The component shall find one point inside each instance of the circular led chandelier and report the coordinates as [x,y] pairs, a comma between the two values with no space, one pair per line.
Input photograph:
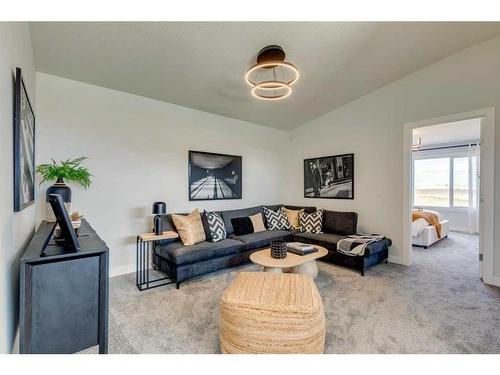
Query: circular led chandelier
[271,77]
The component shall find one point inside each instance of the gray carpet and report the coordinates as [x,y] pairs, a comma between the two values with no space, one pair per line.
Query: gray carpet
[438,305]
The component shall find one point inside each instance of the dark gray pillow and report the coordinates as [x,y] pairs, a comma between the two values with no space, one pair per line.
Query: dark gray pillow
[342,223]
[231,214]
[242,226]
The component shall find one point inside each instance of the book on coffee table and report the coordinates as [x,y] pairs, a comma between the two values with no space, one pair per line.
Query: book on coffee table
[300,248]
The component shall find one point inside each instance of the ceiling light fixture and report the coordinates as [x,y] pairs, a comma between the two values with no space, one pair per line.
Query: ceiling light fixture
[279,90]
[271,77]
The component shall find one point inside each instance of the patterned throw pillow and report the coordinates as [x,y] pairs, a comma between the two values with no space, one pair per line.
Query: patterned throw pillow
[216,226]
[311,223]
[276,220]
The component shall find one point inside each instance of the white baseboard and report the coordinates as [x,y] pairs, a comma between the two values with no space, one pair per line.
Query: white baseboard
[396,260]
[117,271]
[461,230]
[496,281]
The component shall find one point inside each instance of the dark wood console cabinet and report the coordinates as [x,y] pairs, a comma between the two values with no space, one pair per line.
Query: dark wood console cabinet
[64,295]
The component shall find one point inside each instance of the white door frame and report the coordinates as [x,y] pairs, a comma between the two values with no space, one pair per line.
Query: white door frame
[487,183]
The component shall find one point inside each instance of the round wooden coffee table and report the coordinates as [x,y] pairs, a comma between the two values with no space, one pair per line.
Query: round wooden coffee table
[293,263]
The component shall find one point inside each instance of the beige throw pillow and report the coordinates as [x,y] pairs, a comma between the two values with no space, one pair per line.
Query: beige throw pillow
[189,227]
[293,217]
[257,222]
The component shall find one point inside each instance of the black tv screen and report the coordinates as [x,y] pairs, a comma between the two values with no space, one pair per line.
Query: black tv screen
[68,234]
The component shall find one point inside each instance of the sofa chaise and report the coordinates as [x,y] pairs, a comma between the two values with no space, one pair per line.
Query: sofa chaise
[181,262]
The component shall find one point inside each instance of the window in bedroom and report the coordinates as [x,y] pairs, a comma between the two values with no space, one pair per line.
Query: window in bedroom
[460,182]
[432,182]
[445,181]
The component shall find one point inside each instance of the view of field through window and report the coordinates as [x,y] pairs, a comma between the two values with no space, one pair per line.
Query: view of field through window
[461,182]
[432,182]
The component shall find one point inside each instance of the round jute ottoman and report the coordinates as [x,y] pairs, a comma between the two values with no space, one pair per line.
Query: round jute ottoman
[263,312]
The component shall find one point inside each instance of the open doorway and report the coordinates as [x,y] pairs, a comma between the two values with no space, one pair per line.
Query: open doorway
[445,193]
[448,196]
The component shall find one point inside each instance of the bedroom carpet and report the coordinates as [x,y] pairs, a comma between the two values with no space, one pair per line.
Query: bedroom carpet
[438,305]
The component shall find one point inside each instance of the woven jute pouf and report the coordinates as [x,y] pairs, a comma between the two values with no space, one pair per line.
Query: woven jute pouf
[265,312]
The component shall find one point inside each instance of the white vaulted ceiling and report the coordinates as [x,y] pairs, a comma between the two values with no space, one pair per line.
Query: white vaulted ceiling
[202,65]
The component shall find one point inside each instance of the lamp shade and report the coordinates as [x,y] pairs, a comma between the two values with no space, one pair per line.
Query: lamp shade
[159,208]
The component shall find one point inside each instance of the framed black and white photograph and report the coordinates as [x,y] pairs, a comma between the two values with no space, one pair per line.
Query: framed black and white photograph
[214,176]
[329,177]
[24,146]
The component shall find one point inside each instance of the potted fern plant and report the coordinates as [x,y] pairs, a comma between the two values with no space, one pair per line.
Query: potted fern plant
[69,170]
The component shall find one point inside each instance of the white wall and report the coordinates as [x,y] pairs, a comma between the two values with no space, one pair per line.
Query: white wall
[15,228]
[459,219]
[372,128]
[139,154]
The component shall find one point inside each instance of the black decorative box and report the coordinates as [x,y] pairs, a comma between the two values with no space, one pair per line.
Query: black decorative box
[278,249]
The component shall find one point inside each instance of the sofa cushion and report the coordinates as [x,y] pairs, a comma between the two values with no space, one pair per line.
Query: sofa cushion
[293,217]
[307,209]
[343,223]
[167,224]
[230,214]
[327,240]
[189,227]
[311,223]
[257,223]
[179,254]
[276,219]
[242,225]
[214,226]
[263,239]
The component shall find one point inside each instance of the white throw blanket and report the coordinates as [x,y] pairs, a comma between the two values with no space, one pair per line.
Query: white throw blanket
[356,244]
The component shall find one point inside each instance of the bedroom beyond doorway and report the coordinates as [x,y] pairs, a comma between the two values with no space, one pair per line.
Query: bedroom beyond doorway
[445,184]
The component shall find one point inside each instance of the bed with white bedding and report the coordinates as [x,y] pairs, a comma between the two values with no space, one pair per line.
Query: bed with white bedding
[424,234]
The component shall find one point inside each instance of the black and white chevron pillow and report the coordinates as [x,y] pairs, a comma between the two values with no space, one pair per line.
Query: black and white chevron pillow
[216,226]
[276,220]
[311,223]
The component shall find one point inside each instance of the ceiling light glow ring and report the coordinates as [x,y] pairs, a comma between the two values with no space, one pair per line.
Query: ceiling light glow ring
[271,85]
[269,65]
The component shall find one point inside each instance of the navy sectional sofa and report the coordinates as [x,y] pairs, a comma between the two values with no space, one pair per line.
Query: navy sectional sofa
[181,262]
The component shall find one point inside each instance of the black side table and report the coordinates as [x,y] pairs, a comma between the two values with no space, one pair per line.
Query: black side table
[144,245]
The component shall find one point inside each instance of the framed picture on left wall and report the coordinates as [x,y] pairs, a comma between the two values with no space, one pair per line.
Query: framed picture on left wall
[24,146]
[214,176]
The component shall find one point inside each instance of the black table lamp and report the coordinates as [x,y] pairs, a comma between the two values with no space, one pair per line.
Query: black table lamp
[159,208]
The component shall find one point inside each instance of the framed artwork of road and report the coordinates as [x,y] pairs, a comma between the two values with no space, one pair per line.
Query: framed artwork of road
[214,176]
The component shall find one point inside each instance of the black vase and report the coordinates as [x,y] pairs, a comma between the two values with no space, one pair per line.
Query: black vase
[64,191]
[278,249]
